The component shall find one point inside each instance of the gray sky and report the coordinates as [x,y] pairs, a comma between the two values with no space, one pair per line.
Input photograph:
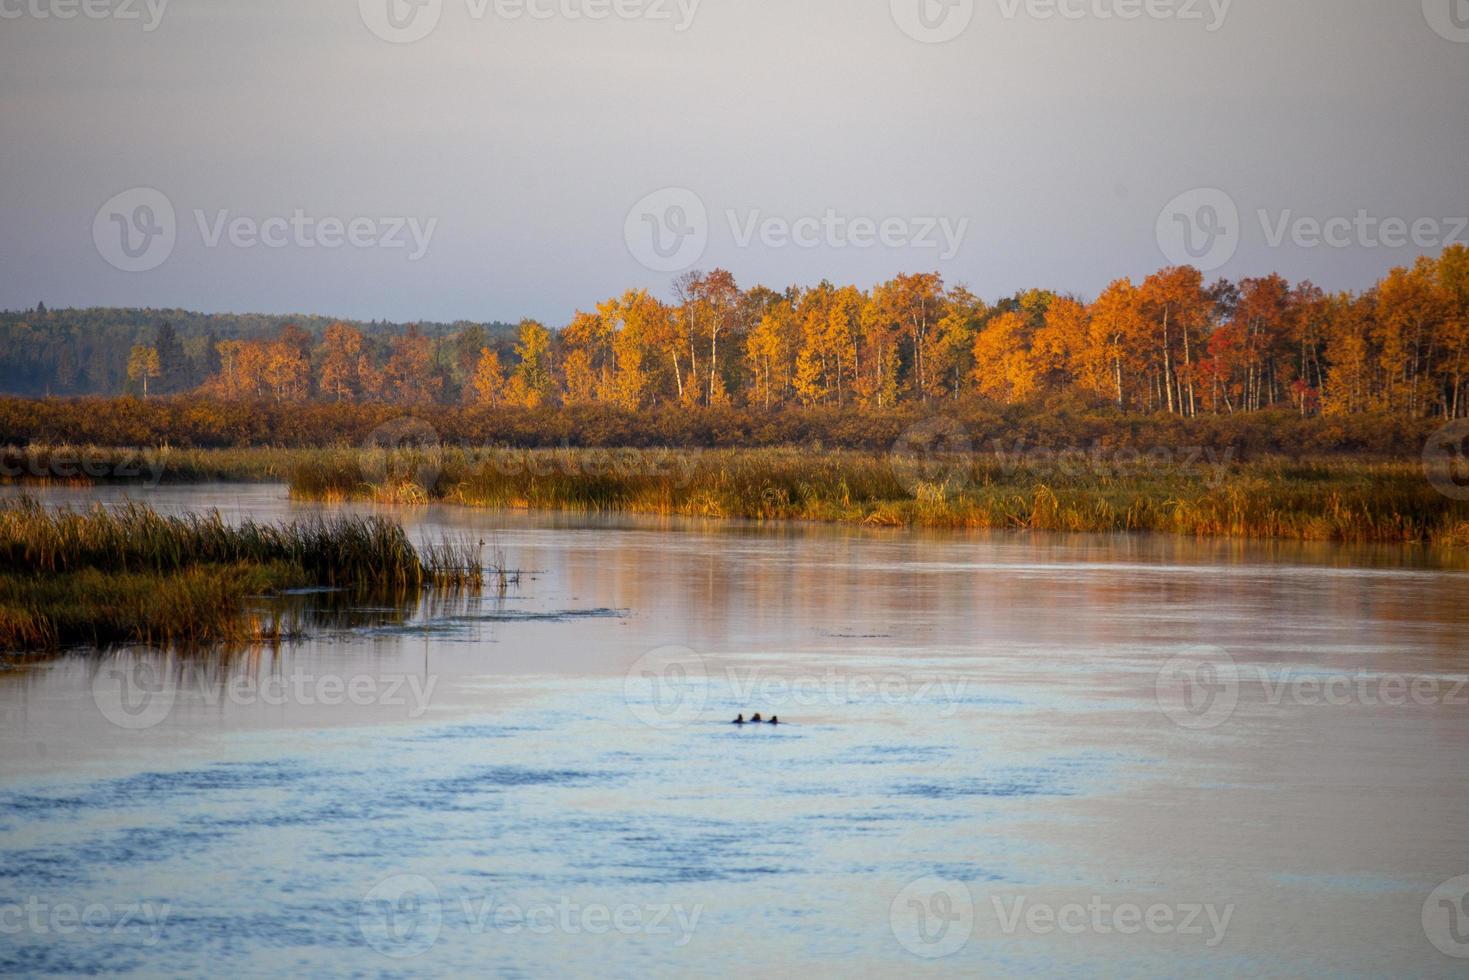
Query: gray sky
[524,143]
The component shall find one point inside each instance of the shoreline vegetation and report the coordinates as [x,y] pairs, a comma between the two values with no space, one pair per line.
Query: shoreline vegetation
[1198,492]
[106,577]
[1207,496]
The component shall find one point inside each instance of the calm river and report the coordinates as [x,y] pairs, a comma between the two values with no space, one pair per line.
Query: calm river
[1001,755]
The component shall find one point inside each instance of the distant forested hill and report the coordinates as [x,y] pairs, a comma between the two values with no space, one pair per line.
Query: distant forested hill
[85,351]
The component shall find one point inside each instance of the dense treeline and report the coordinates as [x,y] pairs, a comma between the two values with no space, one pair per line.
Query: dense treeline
[1172,344]
[1062,422]
[88,351]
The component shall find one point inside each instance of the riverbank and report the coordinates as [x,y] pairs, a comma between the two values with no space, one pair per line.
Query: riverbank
[1199,493]
[106,577]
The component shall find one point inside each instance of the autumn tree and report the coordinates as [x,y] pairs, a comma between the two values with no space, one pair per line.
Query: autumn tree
[1411,308]
[907,307]
[409,377]
[1350,375]
[1117,329]
[1004,367]
[531,384]
[341,350]
[713,302]
[1453,283]
[1177,310]
[143,364]
[286,369]
[588,359]
[1063,354]
[487,385]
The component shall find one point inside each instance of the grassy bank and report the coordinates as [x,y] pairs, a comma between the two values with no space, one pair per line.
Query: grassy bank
[1203,492]
[104,577]
[1329,500]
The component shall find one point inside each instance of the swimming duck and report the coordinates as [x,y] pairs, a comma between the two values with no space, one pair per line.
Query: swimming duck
[740,720]
[755,719]
[774,720]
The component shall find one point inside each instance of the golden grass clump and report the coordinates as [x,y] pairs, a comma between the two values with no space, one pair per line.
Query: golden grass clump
[131,575]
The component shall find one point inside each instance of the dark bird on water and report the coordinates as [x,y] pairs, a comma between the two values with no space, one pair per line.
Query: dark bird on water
[739,720]
[756,719]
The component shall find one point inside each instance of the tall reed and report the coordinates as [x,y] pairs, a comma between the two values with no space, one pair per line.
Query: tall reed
[130,574]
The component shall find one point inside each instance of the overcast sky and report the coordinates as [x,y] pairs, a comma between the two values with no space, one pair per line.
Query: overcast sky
[517,147]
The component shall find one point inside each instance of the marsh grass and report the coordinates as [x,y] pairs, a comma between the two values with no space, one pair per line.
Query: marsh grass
[104,576]
[1321,499]
[1327,500]
[191,609]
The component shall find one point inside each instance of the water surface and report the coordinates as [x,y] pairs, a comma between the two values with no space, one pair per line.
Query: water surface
[545,781]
